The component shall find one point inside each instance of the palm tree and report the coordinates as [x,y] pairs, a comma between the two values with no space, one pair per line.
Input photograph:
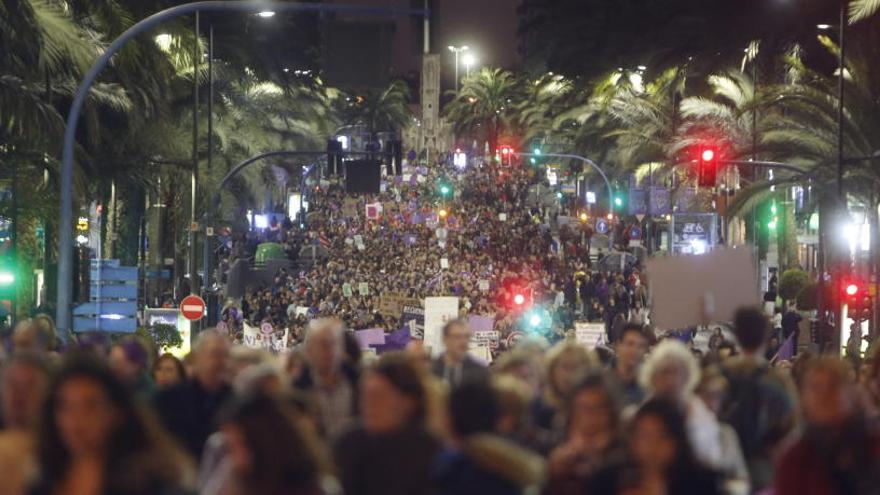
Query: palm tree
[484,108]
[385,110]
[862,9]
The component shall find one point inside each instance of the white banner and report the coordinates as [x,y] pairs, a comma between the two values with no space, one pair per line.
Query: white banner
[438,310]
[255,338]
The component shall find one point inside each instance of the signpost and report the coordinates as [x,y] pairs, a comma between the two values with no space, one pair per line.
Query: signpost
[192,307]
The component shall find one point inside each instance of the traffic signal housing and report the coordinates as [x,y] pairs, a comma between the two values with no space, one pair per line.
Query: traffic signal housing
[857,297]
[506,152]
[708,159]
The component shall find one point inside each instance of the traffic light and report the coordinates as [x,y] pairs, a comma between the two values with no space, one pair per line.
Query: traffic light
[519,299]
[506,155]
[7,278]
[442,213]
[584,217]
[707,159]
[445,189]
[857,299]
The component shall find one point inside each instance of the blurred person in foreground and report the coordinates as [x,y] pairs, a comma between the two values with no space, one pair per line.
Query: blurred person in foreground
[391,452]
[269,452]
[455,365]
[592,440]
[660,459]
[567,364]
[130,362]
[94,439]
[712,390]
[481,461]
[24,381]
[328,378]
[37,335]
[168,371]
[671,373]
[189,410]
[760,401]
[838,452]
[631,348]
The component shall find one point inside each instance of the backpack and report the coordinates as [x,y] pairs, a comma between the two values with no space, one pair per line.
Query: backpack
[746,409]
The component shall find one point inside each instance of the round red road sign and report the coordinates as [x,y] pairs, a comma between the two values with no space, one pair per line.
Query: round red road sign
[192,307]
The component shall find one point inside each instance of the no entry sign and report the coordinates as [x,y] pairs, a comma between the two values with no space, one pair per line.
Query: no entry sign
[192,307]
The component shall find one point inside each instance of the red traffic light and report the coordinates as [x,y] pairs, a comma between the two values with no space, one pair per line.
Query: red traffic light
[505,150]
[852,289]
[708,155]
[519,299]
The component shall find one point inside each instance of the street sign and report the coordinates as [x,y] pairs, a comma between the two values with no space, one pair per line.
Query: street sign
[112,305]
[635,232]
[640,217]
[602,226]
[192,307]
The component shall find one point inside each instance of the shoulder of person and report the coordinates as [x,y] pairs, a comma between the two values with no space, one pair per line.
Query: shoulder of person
[505,459]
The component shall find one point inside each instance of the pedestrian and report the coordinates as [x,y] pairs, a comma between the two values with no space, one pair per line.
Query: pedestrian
[328,378]
[630,353]
[24,381]
[660,458]
[456,365]
[168,371]
[95,439]
[838,452]
[391,452]
[592,437]
[567,363]
[130,361]
[189,410]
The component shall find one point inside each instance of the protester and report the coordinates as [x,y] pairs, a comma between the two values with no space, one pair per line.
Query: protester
[392,452]
[455,365]
[567,364]
[331,381]
[23,384]
[631,350]
[712,390]
[130,362]
[168,371]
[482,461]
[660,458]
[268,451]
[592,437]
[759,403]
[189,410]
[95,440]
[838,452]
[36,335]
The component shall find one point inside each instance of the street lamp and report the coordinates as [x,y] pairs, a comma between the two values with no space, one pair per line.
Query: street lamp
[265,14]
[468,59]
[457,50]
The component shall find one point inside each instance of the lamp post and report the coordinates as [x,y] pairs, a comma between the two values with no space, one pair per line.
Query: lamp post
[468,60]
[457,50]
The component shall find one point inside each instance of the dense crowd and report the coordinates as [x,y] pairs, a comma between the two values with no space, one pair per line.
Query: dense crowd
[489,244]
[106,417]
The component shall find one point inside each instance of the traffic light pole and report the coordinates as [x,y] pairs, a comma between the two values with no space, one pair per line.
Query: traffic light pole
[65,230]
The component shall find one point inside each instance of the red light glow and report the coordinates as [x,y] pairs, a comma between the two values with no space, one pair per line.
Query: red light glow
[708,155]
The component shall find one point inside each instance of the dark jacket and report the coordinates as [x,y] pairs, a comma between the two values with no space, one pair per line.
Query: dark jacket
[620,478]
[189,412]
[306,383]
[488,464]
[393,464]
[471,370]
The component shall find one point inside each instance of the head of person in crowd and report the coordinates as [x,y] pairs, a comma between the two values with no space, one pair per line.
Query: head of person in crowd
[522,364]
[593,411]
[514,397]
[211,360]
[242,358]
[829,398]
[670,371]
[456,338]
[168,371]
[659,440]
[419,356]
[474,408]
[712,388]
[37,334]
[324,344]
[294,364]
[262,377]
[352,347]
[567,363]
[24,380]
[751,327]
[90,415]
[725,350]
[130,360]
[393,395]
[631,347]
[269,449]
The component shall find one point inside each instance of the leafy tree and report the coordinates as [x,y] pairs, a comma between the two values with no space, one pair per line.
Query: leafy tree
[792,282]
[484,108]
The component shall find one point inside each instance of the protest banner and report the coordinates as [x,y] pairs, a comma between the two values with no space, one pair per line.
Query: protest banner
[392,303]
[483,285]
[413,316]
[589,334]
[481,323]
[486,338]
[444,263]
[438,311]
[260,338]
[370,336]
[364,289]
[346,289]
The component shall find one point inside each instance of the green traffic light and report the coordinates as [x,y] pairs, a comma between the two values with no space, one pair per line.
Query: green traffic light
[536,151]
[618,201]
[558,195]
[773,208]
[771,224]
[7,278]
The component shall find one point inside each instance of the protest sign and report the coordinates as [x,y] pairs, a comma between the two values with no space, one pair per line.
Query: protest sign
[392,303]
[481,323]
[444,263]
[488,339]
[589,334]
[258,338]
[364,289]
[438,311]
[482,353]
[346,289]
[370,336]
[483,285]
[502,217]
[413,316]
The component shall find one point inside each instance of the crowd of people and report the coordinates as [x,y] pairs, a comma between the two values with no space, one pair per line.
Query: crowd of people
[113,417]
[484,240]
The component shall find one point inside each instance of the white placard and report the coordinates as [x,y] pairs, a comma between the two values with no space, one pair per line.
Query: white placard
[444,263]
[589,334]
[502,217]
[438,310]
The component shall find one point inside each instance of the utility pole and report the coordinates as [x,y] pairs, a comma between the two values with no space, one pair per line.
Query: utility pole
[194,175]
[209,213]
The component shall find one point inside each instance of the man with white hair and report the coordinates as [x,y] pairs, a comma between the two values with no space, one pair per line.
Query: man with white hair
[189,409]
[328,377]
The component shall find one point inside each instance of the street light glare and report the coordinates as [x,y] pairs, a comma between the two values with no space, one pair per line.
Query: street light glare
[823,26]
[266,14]
[468,59]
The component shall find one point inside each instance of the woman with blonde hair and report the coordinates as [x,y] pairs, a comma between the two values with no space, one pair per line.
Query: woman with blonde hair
[567,363]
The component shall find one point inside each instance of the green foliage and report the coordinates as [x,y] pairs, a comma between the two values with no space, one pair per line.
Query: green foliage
[792,282]
[162,336]
[808,298]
